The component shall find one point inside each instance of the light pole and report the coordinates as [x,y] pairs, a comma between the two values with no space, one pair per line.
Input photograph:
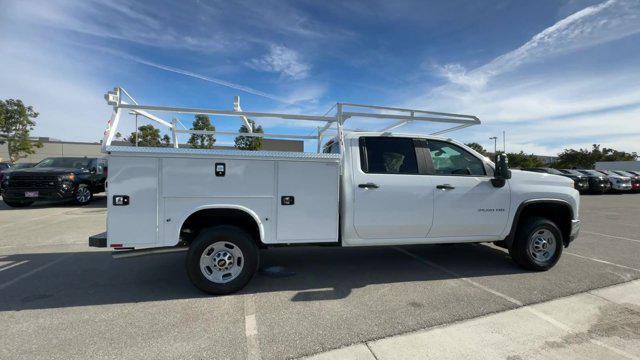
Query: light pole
[136,133]
[495,144]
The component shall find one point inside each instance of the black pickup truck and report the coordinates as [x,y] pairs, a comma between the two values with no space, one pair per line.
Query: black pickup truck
[58,179]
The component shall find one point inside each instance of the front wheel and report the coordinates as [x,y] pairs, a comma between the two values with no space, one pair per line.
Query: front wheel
[83,195]
[538,244]
[222,259]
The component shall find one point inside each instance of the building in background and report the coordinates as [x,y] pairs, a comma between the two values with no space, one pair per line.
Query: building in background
[57,148]
[618,165]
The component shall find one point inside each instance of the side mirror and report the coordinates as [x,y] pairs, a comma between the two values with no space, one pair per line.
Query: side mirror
[502,172]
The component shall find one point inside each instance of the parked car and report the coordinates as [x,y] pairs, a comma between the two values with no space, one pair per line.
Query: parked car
[580,181]
[635,179]
[59,178]
[618,182]
[598,182]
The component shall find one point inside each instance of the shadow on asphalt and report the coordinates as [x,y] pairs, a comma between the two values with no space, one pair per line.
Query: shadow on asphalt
[99,201]
[94,278]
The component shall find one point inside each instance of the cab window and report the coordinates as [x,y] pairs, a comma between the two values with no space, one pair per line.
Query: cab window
[388,155]
[451,159]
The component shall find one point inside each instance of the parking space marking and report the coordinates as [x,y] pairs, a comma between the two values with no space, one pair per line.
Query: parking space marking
[602,261]
[611,236]
[13,265]
[251,328]
[40,268]
[545,317]
[459,277]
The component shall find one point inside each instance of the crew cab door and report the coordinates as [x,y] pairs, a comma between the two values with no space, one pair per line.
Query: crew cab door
[466,203]
[393,196]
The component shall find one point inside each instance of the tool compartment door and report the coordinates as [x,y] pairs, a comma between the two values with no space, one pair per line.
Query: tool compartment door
[136,223]
[307,201]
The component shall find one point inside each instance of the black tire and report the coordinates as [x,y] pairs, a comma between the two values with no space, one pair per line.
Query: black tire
[521,250]
[17,203]
[233,236]
[83,195]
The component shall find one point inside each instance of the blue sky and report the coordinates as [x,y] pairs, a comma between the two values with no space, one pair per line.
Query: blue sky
[552,74]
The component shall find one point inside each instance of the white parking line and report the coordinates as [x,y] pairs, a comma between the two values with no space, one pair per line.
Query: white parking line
[602,261]
[611,236]
[547,318]
[40,268]
[458,276]
[13,265]
[251,328]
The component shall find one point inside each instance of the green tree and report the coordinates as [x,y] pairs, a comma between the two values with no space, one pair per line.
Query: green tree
[587,158]
[166,140]
[198,141]
[16,121]
[522,160]
[148,136]
[477,147]
[249,142]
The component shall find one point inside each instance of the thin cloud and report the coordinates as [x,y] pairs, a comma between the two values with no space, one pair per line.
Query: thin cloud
[284,61]
[593,25]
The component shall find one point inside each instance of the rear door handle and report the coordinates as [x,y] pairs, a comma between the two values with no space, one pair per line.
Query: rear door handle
[445,187]
[368,185]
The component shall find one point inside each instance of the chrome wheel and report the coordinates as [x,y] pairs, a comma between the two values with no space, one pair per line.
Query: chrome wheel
[542,246]
[221,262]
[83,194]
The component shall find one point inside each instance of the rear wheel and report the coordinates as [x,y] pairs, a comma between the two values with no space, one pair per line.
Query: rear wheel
[17,203]
[538,244]
[221,260]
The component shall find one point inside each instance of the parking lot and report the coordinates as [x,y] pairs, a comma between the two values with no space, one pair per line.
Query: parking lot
[62,299]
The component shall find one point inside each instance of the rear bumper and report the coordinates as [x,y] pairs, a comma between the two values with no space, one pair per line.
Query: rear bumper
[98,240]
[575,230]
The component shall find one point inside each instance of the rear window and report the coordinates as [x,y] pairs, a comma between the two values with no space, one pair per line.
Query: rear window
[388,155]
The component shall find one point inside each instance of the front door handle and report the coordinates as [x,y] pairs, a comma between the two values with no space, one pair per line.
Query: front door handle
[445,187]
[368,185]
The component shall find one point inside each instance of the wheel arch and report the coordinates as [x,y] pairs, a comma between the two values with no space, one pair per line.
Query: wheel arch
[557,210]
[221,214]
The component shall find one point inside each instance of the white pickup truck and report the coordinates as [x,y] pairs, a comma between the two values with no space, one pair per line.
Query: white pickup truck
[364,188]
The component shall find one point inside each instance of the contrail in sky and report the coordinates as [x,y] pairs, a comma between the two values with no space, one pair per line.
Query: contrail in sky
[197,76]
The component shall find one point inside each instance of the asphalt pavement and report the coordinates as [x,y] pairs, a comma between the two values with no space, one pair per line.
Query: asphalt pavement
[61,299]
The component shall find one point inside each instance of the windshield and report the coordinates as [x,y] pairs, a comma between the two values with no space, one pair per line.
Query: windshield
[572,172]
[608,172]
[554,171]
[76,163]
[591,172]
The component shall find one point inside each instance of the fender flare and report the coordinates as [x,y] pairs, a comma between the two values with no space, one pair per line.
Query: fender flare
[516,218]
[245,209]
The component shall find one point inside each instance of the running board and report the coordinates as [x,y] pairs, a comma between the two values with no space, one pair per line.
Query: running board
[121,254]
